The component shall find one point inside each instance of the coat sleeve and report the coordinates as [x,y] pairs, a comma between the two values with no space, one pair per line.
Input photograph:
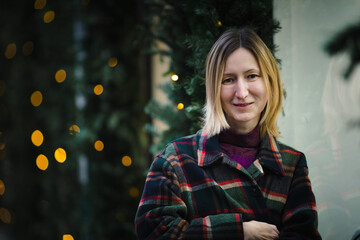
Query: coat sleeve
[299,219]
[163,214]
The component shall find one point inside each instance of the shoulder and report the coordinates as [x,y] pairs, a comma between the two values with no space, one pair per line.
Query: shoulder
[290,154]
[177,149]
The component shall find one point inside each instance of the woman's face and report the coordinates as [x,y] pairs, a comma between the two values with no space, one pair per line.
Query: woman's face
[243,92]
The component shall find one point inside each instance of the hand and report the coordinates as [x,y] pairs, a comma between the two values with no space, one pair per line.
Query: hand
[255,230]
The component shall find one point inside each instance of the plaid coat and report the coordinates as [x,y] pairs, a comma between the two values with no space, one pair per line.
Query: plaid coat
[194,190]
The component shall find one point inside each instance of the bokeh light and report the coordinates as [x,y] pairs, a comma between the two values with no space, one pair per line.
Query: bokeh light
[180,106]
[5,215]
[2,187]
[126,161]
[28,48]
[74,129]
[49,16]
[98,89]
[219,23]
[42,162]
[113,62]
[99,145]
[39,4]
[36,98]
[174,77]
[134,192]
[60,75]
[60,155]
[37,138]
[68,237]
[10,51]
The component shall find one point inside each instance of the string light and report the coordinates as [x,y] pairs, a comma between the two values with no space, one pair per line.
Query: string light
[60,155]
[98,89]
[113,62]
[5,215]
[99,145]
[10,51]
[2,188]
[74,129]
[134,192]
[28,48]
[126,161]
[67,237]
[174,77]
[180,106]
[42,162]
[39,4]
[219,23]
[49,16]
[36,98]
[60,75]
[37,138]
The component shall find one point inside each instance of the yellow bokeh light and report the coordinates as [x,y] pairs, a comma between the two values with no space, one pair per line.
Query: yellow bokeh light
[174,77]
[39,4]
[49,16]
[180,106]
[2,187]
[10,51]
[134,192]
[113,62]
[98,89]
[126,161]
[74,129]
[60,155]
[36,98]
[28,48]
[67,237]
[5,215]
[219,23]
[42,162]
[37,138]
[99,145]
[60,75]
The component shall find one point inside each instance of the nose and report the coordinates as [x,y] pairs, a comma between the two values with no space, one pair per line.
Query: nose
[241,89]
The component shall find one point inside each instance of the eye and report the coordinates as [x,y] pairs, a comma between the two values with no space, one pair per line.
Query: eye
[252,76]
[227,81]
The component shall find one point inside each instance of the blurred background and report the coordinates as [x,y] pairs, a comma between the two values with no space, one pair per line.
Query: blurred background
[91,90]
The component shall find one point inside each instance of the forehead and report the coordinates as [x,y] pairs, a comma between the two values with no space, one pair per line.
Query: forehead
[241,59]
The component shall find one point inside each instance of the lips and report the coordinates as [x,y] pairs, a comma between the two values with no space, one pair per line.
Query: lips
[242,104]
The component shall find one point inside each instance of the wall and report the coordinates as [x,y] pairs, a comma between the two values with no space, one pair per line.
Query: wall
[319,106]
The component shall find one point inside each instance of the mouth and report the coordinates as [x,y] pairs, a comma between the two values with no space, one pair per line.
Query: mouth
[242,104]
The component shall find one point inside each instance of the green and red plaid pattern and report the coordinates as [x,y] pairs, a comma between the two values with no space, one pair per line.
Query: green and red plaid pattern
[195,191]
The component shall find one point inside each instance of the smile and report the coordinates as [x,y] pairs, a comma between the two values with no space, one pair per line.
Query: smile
[242,105]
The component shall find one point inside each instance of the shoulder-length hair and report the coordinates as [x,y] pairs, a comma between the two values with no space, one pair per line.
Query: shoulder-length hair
[231,40]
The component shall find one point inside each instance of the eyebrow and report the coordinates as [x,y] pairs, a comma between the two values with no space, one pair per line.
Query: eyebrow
[247,71]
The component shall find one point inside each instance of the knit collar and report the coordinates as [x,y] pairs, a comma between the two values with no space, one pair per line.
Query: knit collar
[248,140]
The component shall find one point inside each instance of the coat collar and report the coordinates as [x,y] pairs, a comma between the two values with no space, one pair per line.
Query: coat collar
[209,151]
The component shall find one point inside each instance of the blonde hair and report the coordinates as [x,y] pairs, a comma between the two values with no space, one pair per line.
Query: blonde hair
[231,40]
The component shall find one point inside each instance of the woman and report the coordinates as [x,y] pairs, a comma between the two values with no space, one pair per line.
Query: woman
[232,179]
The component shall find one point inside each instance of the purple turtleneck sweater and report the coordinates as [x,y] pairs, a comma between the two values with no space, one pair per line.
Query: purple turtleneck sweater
[242,148]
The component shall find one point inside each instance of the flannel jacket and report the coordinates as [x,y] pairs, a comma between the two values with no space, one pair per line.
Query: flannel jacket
[194,190]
